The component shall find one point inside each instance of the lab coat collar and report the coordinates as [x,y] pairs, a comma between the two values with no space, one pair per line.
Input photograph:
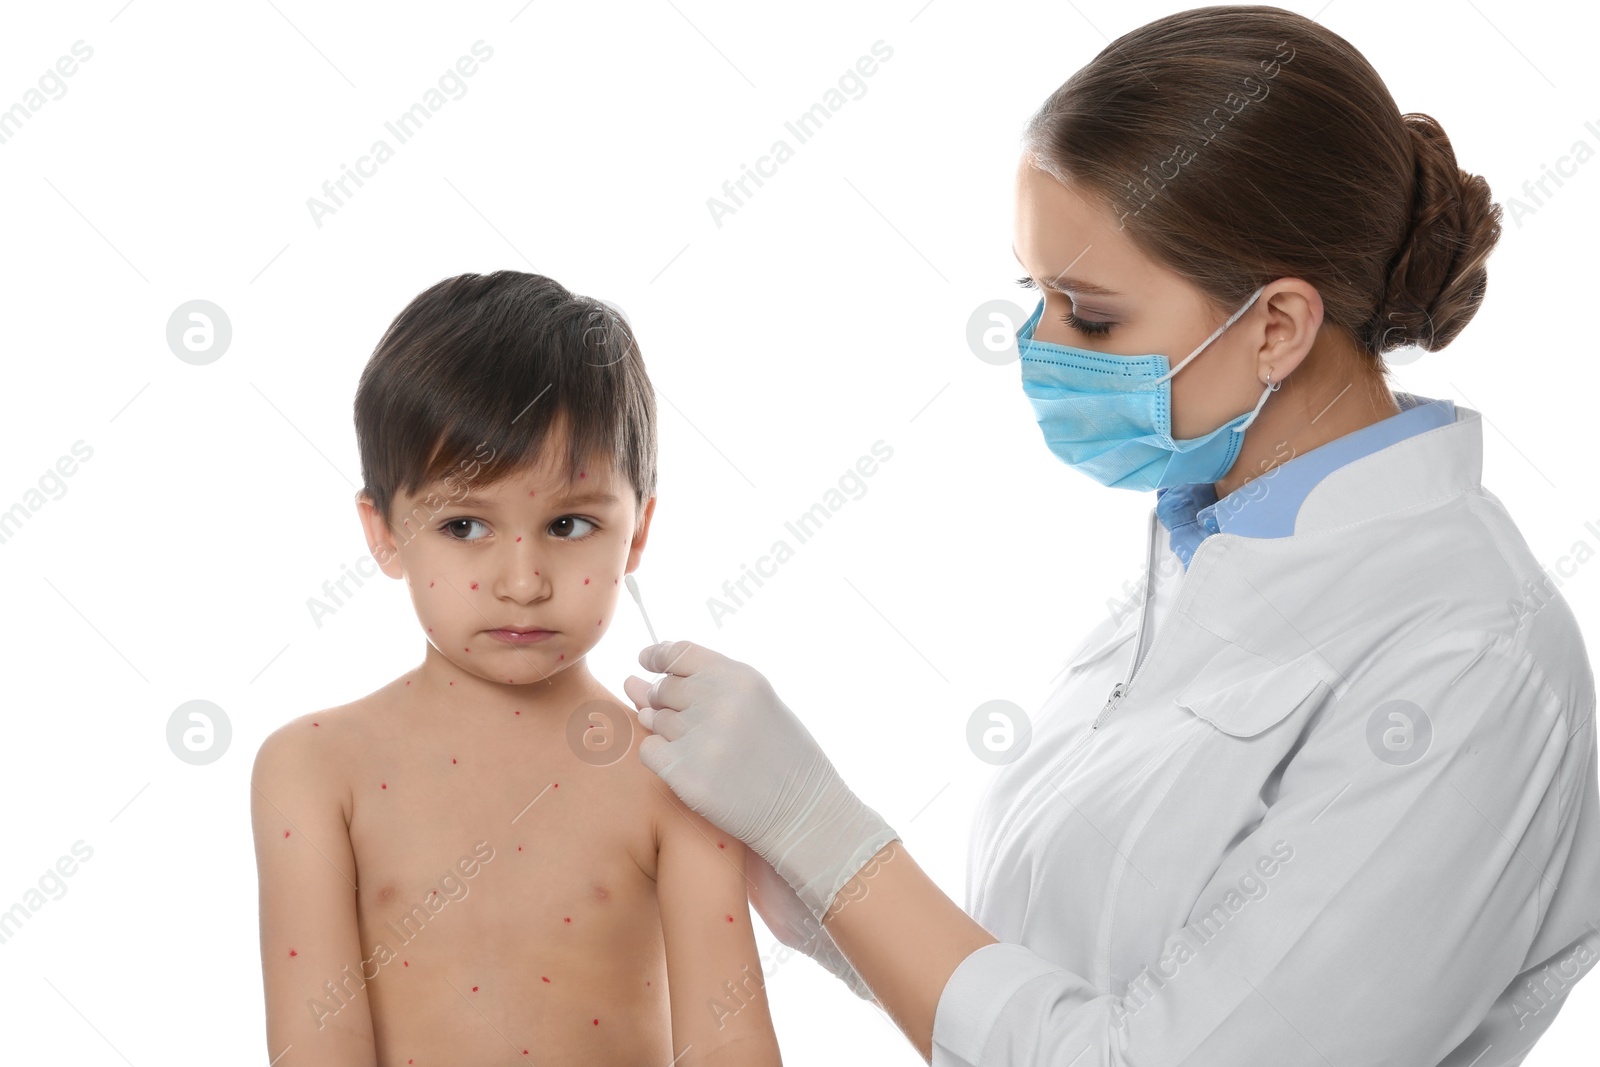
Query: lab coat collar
[1292,598]
[1442,462]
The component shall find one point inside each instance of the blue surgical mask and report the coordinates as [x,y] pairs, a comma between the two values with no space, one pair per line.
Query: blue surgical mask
[1111,416]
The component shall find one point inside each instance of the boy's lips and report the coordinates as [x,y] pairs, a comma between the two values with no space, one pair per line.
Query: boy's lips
[521,635]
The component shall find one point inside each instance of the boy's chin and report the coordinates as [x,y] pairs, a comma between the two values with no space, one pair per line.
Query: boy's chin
[527,666]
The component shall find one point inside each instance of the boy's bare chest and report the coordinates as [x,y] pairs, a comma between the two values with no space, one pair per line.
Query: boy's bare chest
[521,814]
[511,874]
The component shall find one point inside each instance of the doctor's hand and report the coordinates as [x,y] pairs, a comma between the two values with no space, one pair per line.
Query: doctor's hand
[735,754]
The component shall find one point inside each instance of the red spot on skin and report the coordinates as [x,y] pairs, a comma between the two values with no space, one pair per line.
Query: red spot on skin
[530,492]
[569,918]
[408,682]
[385,785]
[519,848]
[721,845]
[474,989]
[474,585]
[586,581]
[597,1022]
[582,474]
[597,622]
[730,918]
[562,656]
[647,982]
[406,962]
[519,713]
[452,683]
[519,540]
[286,833]
[535,573]
[436,893]
[430,629]
[556,785]
[452,759]
[546,979]
[430,585]
[292,952]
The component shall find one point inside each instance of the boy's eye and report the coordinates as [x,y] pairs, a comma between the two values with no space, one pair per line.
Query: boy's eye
[554,526]
[451,526]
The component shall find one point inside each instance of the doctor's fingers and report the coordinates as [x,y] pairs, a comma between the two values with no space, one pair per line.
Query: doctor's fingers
[682,657]
[638,691]
[666,723]
[672,692]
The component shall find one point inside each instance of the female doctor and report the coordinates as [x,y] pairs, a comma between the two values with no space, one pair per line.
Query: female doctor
[1329,796]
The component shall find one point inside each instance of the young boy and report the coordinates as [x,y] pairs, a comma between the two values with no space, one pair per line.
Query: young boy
[471,865]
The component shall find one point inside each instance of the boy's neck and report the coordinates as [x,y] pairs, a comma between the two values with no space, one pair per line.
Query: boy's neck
[449,690]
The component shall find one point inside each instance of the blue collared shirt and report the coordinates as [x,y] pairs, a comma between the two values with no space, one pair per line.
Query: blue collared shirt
[1191,513]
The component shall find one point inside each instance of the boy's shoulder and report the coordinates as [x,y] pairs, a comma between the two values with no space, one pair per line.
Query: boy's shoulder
[313,750]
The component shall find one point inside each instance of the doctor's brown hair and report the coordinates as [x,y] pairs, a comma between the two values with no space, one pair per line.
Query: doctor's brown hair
[1239,144]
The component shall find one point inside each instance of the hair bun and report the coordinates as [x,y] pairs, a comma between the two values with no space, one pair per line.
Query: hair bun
[1438,275]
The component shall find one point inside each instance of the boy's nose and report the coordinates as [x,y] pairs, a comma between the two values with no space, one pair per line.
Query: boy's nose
[522,573]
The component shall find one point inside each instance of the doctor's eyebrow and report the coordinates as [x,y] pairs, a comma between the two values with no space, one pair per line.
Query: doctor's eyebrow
[1062,285]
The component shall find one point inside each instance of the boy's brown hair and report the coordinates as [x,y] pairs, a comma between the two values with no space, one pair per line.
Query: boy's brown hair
[479,369]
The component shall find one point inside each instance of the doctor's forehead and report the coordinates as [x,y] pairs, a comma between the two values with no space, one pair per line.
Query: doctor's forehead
[1066,232]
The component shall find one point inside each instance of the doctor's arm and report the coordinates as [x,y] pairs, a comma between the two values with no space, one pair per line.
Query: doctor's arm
[904,937]
[1371,917]
[1368,918]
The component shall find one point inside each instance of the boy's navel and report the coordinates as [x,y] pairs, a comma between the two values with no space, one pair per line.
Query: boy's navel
[601,893]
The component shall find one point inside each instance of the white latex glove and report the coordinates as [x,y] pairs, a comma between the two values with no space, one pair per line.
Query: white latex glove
[780,908]
[725,743]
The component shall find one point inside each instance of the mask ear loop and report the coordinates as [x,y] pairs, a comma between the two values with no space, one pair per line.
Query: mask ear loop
[1214,335]
[1272,387]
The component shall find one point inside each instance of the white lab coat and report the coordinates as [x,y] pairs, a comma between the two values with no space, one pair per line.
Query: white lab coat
[1246,863]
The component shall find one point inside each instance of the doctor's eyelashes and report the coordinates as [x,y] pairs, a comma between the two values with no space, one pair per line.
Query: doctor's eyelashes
[1084,326]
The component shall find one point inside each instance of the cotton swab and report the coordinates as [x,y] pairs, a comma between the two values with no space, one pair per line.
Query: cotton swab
[633,588]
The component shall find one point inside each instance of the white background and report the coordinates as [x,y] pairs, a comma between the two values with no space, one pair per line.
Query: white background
[826,313]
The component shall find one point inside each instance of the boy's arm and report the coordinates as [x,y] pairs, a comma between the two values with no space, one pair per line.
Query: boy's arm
[714,979]
[307,873]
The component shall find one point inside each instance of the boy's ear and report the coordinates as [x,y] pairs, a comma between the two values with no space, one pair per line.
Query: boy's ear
[380,542]
[637,548]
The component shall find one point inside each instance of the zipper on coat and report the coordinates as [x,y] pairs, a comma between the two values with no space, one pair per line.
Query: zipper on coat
[1116,692]
[1119,690]
[1002,835]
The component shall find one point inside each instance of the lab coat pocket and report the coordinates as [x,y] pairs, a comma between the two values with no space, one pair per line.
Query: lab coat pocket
[1242,694]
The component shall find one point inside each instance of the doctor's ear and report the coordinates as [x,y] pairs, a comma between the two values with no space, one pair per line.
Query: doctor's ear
[1291,311]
